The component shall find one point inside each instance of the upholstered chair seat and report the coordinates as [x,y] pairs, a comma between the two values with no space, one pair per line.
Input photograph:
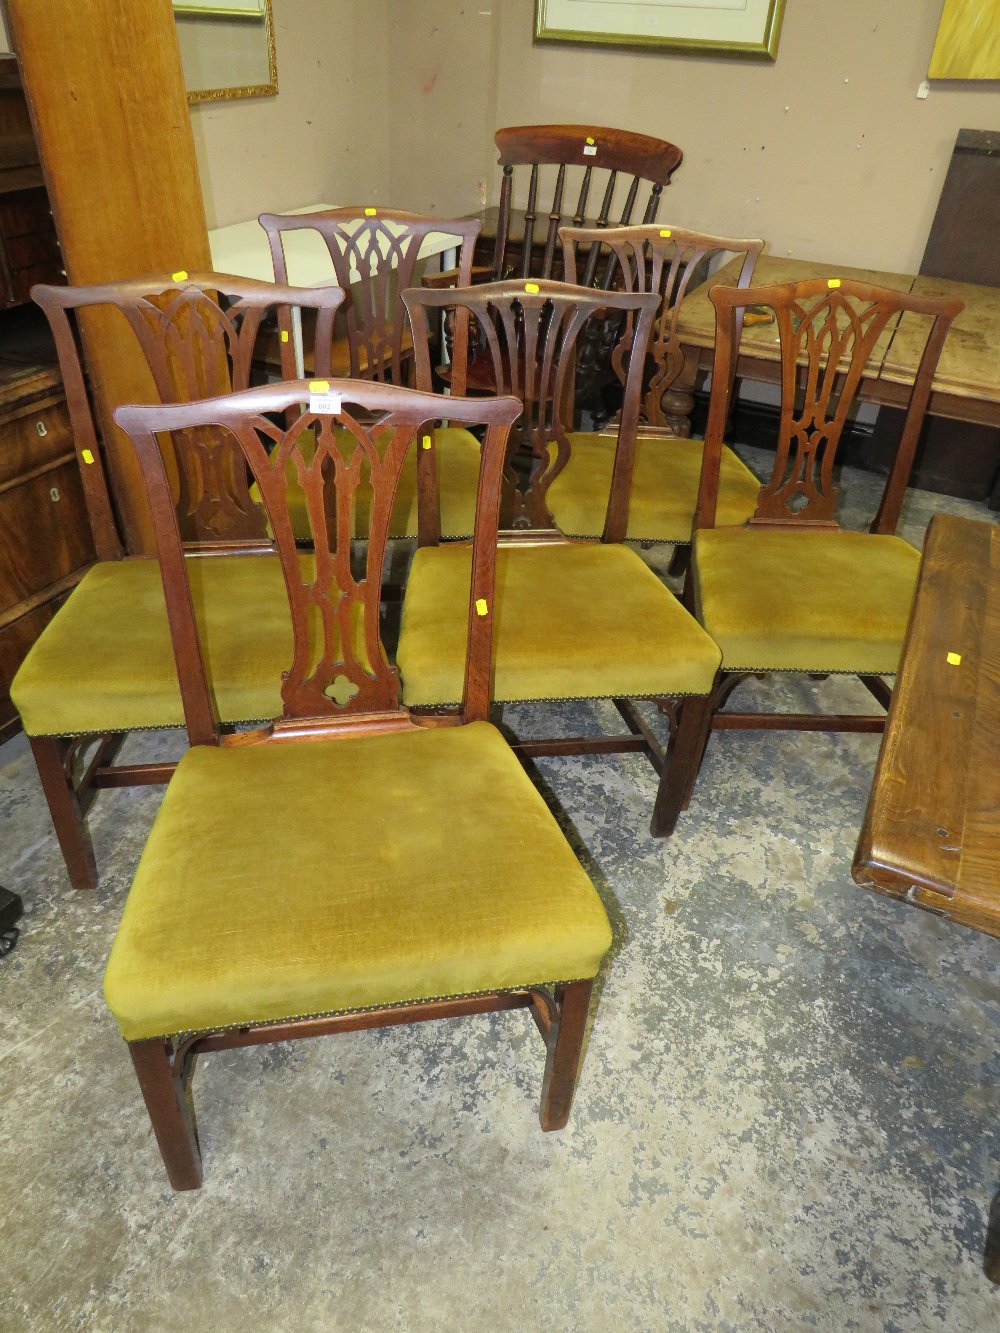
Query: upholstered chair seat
[105,663]
[664,491]
[797,600]
[572,621]
[409,895]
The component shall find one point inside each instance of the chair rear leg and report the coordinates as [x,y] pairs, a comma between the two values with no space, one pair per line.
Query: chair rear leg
[565,1048]
[682,762]
[64,807]
[169,1112]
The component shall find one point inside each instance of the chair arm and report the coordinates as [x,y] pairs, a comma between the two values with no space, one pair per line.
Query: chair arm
[449,278]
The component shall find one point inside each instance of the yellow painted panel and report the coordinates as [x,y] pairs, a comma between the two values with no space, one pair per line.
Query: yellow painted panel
[968,41]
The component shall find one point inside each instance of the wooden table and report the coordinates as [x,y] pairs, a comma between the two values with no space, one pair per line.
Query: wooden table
[967,383]
[931,835]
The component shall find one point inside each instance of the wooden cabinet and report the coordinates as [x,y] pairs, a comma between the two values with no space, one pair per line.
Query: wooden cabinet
[45,540]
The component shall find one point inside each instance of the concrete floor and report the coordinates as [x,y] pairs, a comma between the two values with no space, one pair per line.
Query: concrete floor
[787,1116]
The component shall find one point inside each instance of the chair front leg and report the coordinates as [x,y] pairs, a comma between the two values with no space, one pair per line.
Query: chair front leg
[51,760]
[169,1112]
[682,762]
[565,1049]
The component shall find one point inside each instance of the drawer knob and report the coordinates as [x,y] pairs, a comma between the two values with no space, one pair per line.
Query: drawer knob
[54,493]
[41,429]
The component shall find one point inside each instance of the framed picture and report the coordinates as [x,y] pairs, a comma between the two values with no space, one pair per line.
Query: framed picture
[230,9]
[715,27]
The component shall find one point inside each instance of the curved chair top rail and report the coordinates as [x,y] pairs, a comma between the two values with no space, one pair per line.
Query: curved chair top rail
[356,434]
[532,334]
[374,254]
[194,344]
[620,150]
[672,261]
[582,150]
[832,334]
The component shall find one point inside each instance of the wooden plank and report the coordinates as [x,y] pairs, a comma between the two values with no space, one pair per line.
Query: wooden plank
[105,89]
[931,832]
[970,362]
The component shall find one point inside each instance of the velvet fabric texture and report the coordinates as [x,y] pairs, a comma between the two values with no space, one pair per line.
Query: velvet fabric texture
[572,621]
[457,455]
[295,878]
[105,662]
[664,490]
[804,600]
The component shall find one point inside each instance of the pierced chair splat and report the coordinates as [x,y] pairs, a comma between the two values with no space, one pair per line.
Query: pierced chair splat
[409,905]
[670,261]
[791,590]
[103,666]
[375,255]
[574,619]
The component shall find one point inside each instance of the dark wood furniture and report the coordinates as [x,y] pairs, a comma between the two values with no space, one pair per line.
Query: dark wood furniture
[45,544]
[664,492]
[575,620]
[45,539]
[335,933]
[960,459]
[931,835]
[792,591]
[580,174]
[102,667]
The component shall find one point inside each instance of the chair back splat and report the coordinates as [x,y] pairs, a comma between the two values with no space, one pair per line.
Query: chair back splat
[531,332]
[597,180]
[334,447]
[832,333]
[375,255]
[671,261]
[200,336]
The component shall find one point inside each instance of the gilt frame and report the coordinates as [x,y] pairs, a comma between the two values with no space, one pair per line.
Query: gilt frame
[748,28]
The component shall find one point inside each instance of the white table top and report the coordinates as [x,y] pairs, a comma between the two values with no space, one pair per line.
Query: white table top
[242,249]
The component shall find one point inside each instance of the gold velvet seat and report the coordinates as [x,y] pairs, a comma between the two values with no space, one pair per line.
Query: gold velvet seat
[408,894]
[573,621]
[664,488]
[819,602]
[790,590]
[345,867]
[670,261]
[103,665]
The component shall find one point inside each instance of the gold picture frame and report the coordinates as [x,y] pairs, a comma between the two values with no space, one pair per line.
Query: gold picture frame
[749,28]
[238,57]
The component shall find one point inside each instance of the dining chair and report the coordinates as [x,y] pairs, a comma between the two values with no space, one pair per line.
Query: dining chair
[577,174]
[574,619]
[347,866]
[103,667]
[595,176]
[670,261]
[375,254]
[792,590]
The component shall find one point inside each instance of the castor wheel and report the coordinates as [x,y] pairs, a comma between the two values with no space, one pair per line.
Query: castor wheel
[8,939]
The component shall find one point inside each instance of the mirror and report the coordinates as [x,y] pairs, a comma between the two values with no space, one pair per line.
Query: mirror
[227,48]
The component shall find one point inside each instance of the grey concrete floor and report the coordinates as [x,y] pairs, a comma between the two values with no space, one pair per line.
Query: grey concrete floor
[787,1116]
